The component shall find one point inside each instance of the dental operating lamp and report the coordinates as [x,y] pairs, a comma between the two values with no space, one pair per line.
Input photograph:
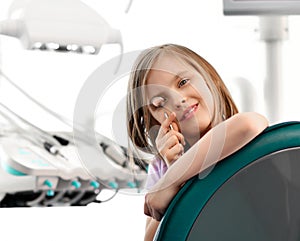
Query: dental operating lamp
[60,25]
[273,30]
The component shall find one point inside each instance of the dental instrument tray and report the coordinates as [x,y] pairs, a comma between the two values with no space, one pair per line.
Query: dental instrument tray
[33,174]
[42,168]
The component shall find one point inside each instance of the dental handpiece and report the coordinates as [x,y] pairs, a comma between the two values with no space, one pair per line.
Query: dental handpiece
[167,116]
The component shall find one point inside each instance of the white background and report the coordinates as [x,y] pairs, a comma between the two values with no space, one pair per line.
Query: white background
[230,44]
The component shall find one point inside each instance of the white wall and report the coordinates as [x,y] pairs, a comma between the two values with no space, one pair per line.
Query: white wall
[229,43]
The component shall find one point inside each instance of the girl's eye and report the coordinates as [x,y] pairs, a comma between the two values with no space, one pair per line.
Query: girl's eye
[158,101]
[183,82]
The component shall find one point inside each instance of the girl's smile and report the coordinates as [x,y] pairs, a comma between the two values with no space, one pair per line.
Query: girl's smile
[189,112]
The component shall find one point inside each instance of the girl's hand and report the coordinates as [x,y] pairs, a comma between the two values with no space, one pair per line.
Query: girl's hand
[157,201]
[170,142]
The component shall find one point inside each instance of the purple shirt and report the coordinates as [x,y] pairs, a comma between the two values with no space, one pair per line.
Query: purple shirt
[156,170]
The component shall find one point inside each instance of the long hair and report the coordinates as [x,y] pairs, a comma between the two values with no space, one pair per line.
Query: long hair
[139,118]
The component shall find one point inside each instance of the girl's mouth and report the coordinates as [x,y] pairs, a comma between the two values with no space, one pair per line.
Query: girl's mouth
[189,112]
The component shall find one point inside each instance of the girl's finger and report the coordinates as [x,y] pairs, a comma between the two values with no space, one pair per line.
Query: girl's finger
[167,143]
[174,153]
[169,135]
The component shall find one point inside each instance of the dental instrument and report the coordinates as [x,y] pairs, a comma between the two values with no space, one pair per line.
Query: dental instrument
[167,116]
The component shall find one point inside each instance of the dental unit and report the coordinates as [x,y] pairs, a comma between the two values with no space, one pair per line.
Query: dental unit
[39,168]
[42,166]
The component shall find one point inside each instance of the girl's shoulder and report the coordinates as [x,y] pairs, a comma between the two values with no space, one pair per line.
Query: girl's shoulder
[252,120]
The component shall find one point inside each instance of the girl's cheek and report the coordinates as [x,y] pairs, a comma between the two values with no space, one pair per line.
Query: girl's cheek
[202,90]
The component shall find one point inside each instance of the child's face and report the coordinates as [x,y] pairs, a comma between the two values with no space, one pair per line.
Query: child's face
[173,86]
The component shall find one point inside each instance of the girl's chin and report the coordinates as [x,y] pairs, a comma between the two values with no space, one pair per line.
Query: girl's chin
[191,134]
[189,125]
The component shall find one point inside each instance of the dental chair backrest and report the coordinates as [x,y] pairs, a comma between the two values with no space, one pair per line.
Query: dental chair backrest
[252,195]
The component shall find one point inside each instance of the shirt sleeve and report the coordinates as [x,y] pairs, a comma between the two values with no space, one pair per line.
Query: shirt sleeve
[156,170]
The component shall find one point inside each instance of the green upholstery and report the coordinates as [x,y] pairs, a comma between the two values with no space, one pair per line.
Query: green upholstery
[196,193]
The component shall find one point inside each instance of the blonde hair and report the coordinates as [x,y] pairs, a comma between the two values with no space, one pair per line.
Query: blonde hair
[139,119]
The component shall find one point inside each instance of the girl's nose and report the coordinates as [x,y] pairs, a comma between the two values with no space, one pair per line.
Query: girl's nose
[180,103]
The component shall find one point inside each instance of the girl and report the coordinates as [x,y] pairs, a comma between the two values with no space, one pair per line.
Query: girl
[180,110]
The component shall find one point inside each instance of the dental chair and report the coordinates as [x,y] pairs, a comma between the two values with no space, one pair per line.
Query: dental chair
[253,194]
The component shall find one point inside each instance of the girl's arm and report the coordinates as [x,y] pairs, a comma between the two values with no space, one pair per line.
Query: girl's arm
[151,227]
[221,141]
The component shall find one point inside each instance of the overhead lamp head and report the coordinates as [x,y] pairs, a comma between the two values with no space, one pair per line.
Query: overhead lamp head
[60,25]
